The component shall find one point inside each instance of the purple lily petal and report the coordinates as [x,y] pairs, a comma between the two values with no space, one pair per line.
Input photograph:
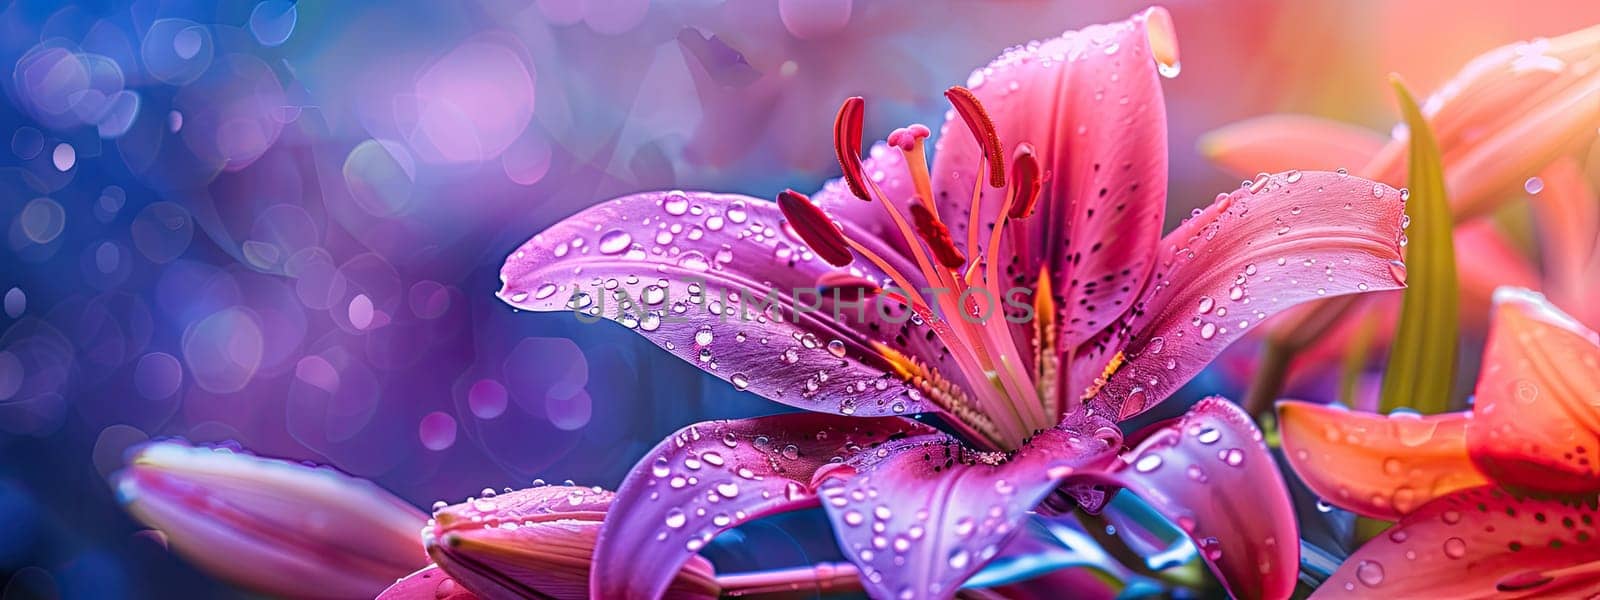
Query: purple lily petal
[1090,104]
[922,514]
[696,270]
[536,543]
[1211,475]
[1283,240]
[276,526]
[430,583]
[709,477]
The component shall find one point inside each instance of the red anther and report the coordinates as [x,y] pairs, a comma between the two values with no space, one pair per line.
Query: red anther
[982,127]
[849,287]
[847,144]
[815,228]
[934,232]
[1026,182]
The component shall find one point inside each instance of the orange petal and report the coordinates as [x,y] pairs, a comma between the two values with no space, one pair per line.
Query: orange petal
[1479,543]
[1275,143]
[1489,262]
[1376,465]
[1569,223]
[1535,423]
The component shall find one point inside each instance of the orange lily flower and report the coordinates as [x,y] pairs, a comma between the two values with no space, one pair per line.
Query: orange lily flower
[1498,500]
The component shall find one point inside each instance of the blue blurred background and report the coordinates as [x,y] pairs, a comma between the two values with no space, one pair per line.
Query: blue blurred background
[279,224]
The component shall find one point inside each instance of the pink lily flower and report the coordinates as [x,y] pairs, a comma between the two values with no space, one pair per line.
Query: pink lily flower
[274,526]
[1495,502]
[287,529]
[1122,317]
[535,543]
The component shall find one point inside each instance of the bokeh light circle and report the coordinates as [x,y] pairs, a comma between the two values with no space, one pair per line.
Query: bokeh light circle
[157,375]
[162,231]
[437,431]
[42,219]
[273,21]
[223,350]
[486,398]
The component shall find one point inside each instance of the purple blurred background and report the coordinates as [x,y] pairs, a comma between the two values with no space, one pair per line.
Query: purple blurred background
[279,224]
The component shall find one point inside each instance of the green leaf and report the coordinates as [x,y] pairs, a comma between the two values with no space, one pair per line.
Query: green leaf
[1422,361]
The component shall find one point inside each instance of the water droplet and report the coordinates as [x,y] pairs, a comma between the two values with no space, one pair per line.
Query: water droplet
[1208,331]
[1233,456]
[615,241]
[660,467]
[740,381]
[1455,548]
[676,519]
[728,489]
[1370,573]
[1397,270]
[836,348]
[1533,185]
[1527,392]
[1209,435]
[964,526]
[1391,465]
[1377,190]
[854,517]
[959,559]
[703,337]
[1205,304]
[676,203]
[1147,463]
[1292,176]
[1260,182]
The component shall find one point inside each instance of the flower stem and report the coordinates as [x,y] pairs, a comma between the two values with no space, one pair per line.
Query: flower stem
[820,578]
[1271,374]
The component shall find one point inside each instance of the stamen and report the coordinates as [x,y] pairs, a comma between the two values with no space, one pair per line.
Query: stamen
[849,287]
[847,144]
[943,392]
[909,140]
[1026,182]
[982,127]
[815,228]
[1105,375]
[934,232]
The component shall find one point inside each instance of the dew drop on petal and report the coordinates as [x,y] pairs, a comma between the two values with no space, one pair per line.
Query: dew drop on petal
[1147,463]
[1455,548]
[676,518]
[615,241]
[1370,573]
